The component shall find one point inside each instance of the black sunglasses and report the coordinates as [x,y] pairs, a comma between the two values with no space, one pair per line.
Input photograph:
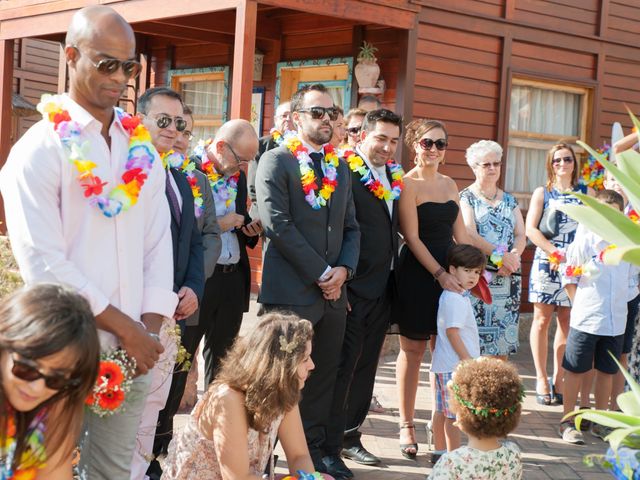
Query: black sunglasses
[163,121]
[25,370]
[557,161]
[427,143]
[188,135]
[108,66]
[319,112]
[354,130]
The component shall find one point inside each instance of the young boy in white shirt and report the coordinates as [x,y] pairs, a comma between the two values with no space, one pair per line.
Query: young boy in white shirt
[599,294]
[457,338]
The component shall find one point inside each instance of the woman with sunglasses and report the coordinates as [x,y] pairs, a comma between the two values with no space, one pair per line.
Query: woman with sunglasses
[429,221]
[545,291]
[49,355]
[495,223]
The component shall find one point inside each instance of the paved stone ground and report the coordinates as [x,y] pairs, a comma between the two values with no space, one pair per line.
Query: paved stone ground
[545,456]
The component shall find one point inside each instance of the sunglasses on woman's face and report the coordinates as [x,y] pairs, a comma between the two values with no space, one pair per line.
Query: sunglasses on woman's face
[163,121]
[486,165]
[556,161]
[27,371]
[427,143]
[319,112]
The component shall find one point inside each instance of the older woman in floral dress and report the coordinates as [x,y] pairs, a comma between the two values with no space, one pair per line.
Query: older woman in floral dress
[495,224]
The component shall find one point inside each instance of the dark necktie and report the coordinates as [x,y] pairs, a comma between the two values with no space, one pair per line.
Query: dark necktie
[173,199]
[317,158]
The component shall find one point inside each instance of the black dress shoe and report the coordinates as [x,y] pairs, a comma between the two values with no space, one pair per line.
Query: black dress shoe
[336,467]
[360,455]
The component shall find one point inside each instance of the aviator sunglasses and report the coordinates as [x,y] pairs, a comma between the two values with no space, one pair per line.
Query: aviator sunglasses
[163,121]
[27,371]
[354,130]
[108,66]
[318,112]
[556,161]
[427,143]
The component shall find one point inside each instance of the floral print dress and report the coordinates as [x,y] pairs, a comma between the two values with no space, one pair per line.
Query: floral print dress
[498,322]
[544,283]
[503,463]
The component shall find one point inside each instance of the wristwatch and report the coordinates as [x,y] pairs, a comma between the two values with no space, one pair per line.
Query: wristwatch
[349,273]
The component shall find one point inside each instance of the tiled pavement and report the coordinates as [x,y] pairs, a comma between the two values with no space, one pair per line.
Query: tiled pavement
[545,456]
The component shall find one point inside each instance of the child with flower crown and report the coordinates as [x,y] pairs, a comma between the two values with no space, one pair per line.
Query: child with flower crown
[486,395]
[254,398]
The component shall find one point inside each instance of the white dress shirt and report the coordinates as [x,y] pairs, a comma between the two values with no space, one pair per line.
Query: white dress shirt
[600,303]
[58,236]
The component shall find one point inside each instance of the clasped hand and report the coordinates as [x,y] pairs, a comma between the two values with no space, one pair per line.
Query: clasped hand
[331,283]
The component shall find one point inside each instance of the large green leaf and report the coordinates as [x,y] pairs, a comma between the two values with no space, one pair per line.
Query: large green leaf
[629,163]
[626,254]
[604,220]
[628,403]
[631,187]
[616,437]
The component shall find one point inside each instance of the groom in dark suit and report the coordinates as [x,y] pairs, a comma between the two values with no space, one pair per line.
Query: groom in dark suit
[371,291]
[311,248]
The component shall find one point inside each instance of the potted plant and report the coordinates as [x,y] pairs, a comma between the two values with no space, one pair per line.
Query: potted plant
[623,457]
[367,69]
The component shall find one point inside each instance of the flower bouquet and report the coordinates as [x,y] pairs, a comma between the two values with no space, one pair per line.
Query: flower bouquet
[115,375]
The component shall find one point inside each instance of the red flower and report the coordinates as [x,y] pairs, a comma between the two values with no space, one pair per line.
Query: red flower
[134,174]
[326,181]
[192,181]
[130,123]
[309,187]
[62,116]
[111,372]
[111,399]
[93,186]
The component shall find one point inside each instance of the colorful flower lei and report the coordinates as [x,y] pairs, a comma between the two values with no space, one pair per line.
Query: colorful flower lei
[375,186]
[115,375]
[177,160]
[33,457]
[497,255]
[592,174]
[225,189]
[633,215]
[308,175]
[139,160]
[302,475]
[486,411]
[557,257]
[277,136]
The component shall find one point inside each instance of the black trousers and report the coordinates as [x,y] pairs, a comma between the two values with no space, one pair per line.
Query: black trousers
[367,323]
[220,319]
[315,406]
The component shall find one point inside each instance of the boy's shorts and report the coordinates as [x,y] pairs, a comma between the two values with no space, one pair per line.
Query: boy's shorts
[586,351]
[442,394]
[632,313]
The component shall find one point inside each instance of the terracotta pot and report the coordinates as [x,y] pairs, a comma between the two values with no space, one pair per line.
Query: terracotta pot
[367,73]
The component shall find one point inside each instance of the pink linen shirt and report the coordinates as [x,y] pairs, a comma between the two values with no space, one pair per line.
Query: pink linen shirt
[58,236]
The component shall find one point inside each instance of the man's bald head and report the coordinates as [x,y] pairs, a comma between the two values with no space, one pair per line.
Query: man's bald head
[94,21]
[235,130]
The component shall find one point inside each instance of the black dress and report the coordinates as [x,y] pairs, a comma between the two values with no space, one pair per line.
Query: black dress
[418,292]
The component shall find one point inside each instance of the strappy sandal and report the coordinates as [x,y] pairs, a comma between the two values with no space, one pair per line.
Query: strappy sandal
[408,450]
[376,406]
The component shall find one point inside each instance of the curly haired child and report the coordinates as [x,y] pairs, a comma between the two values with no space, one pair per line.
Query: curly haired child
[486,395]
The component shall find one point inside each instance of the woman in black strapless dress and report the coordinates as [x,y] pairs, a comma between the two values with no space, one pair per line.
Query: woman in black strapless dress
[430,220]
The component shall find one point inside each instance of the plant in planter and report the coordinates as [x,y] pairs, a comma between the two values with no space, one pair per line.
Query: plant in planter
[367,70]
[623,457]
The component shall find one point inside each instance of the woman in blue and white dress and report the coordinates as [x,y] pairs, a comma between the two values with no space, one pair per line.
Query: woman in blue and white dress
[495,224]
[545,291]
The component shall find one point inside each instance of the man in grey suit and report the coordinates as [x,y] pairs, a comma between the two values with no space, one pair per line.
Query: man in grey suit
[311,250]
[210,230]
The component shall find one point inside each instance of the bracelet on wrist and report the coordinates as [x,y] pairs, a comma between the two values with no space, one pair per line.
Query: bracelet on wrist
[438,273]
[497,255]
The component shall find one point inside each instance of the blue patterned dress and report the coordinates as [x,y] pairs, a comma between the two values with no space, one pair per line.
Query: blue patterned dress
[544,283]
[498,322]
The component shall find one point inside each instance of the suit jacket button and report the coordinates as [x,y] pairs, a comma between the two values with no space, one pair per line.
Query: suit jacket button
[329,228]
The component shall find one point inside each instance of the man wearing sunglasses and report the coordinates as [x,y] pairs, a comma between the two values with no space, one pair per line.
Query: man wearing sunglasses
[281,124]
[308,255]
[122,263]
[354,120]
[161,111]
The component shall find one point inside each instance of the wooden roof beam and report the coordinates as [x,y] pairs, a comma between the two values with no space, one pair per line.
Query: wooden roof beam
[182,32]
[223,22]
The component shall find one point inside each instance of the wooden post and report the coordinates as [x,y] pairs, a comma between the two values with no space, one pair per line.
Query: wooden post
[406,85]
[243,58]
[62,70]
[6,91]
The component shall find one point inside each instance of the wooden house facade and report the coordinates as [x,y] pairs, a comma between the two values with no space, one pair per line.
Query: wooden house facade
[525,73]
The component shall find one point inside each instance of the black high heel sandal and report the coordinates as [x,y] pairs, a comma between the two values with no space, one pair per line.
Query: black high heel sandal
[405,448]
